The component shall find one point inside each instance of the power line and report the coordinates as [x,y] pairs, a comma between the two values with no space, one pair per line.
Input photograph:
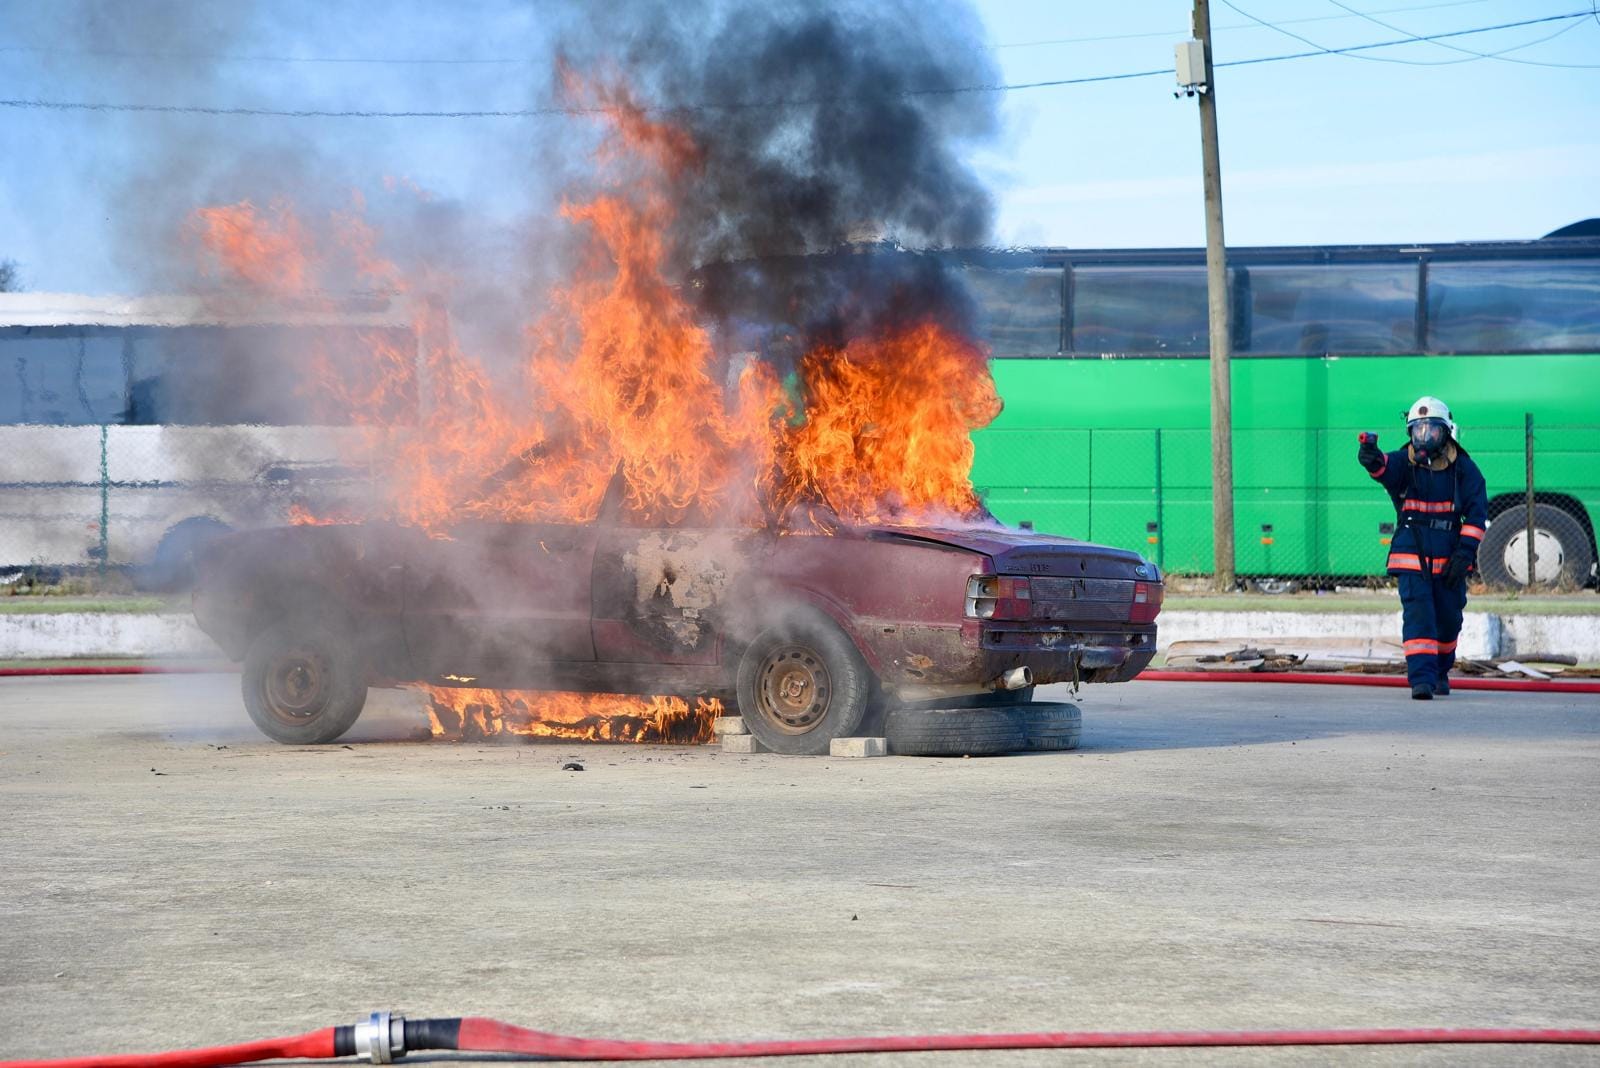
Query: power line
[111,53]
[1502,55]
[523,113]
[1472,56]
[1238,26]
[486,61]
[1320,51]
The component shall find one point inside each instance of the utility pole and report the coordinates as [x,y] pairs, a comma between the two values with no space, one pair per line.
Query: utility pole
[1221,318]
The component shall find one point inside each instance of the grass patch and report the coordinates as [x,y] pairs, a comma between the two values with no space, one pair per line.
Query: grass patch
[45,605]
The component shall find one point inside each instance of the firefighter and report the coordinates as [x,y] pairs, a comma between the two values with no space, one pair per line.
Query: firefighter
[1441,504]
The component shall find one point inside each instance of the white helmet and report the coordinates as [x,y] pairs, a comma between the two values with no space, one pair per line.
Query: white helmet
[1433,408]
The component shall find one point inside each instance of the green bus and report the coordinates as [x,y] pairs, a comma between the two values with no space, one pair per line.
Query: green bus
[1102,359]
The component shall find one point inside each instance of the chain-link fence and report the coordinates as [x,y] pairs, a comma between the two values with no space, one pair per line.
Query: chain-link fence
[136,499]
[1306,514]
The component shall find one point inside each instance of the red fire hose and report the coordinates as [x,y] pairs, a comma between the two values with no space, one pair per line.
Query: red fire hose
[118,669]
[1456,683]
[1303,677]
[481,1035]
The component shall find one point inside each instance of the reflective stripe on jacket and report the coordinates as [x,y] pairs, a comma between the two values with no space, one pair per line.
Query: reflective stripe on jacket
[1436,511]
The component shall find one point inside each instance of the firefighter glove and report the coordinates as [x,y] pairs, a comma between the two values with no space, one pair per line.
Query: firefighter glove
[1371,456]
[1456,568]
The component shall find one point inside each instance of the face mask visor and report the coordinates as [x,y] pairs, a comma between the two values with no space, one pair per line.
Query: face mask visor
[1428,436]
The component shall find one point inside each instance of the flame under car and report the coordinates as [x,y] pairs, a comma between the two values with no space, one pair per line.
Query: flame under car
[809,630]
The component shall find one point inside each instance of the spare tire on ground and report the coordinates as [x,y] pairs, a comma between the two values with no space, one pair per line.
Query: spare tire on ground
[1052,725]
[954,732]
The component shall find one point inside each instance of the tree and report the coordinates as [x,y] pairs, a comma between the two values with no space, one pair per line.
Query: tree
[10,282]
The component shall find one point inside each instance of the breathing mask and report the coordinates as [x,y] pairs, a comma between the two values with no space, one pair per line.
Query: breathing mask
[1428,437]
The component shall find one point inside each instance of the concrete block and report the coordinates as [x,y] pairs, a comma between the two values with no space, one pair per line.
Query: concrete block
[741,743]
[858,747]
[726,725]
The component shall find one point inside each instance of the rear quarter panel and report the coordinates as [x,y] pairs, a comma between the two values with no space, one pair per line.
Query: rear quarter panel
[901,602]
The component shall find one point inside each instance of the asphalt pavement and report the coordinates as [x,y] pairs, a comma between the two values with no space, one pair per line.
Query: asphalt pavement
[1216,856]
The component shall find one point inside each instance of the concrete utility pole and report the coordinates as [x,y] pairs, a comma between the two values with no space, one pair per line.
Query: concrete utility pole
[1221,318]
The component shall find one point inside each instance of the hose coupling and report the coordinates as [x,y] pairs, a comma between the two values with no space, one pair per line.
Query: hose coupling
[381,1037]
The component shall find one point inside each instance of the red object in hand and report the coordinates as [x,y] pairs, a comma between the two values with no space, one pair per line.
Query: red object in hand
[1368,438]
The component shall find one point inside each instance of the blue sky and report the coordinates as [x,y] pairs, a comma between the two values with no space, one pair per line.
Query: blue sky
[1419,147]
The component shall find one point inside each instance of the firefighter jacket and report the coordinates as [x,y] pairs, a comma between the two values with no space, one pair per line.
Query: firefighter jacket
[1439,507]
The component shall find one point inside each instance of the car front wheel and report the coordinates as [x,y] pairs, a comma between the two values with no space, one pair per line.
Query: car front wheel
[303,684]
[802,684]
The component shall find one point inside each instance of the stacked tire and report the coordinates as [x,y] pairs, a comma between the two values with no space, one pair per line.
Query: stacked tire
[992,731]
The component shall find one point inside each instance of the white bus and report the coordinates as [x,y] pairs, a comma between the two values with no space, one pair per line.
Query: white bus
[132,429]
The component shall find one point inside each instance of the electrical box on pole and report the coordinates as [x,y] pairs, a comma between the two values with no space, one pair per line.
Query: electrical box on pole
[1195,77]
[1191,65]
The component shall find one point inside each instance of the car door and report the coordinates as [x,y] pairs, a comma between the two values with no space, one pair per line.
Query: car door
[500,600]
[661,594]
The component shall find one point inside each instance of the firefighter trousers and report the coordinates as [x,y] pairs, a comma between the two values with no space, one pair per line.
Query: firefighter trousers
[1430,624]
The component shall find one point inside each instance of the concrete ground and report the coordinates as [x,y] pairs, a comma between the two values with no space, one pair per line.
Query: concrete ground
[1216,857]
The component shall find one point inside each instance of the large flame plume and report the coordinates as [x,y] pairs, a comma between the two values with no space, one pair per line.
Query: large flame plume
[618,373]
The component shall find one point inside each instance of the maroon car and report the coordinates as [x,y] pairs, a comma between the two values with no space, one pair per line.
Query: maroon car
[811,634]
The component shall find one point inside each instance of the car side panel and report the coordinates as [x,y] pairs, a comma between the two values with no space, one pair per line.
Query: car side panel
[500,598]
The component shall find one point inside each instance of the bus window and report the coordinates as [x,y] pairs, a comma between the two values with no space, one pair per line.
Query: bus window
[1514,306]
[1019,310]
[1333,308]
[272,376]
[1144,310]
[61,376]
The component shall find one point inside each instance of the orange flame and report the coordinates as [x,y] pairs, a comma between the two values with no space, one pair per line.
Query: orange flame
[467,713]
[265,250]
[618,373]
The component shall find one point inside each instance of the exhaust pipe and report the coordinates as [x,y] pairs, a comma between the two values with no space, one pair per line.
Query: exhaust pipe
[1015,679]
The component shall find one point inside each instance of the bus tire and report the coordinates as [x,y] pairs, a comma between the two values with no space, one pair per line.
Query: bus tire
[1565,553]
[171,569]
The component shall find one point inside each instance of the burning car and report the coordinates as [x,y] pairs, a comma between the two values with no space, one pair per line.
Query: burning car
[809,631]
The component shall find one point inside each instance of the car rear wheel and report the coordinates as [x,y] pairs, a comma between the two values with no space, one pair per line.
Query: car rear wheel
[954,732]
[802,684]
[302,683]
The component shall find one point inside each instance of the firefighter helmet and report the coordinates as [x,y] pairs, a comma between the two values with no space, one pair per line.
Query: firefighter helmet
[1432,408]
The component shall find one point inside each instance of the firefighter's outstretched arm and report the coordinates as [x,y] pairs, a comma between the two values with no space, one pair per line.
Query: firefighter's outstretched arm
[1389,469]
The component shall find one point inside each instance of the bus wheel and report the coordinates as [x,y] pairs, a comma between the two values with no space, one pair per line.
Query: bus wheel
[1275,586]
[1562,553]
[171,569]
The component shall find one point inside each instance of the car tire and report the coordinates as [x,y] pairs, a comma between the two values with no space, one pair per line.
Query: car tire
[1052,725]
[171,568]
[954,732]
[1557,534]
[303,683]
[802,684]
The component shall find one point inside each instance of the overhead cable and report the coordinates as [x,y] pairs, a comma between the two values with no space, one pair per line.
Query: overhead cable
[568,110]
[1471,56]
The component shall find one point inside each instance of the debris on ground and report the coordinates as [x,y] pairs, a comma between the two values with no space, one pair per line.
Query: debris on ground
[1354,656]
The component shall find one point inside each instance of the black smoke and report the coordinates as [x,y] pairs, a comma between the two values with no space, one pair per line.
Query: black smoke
[832,134]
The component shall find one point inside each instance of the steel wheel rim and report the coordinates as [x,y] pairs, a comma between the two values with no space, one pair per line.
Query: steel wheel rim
[296,686]
[794,689]
[1549,557]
